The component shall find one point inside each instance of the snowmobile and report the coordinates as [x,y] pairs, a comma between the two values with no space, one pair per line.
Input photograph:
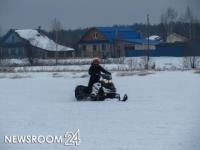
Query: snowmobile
[100,91]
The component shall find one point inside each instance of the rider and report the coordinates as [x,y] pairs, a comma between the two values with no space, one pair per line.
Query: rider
[94,72]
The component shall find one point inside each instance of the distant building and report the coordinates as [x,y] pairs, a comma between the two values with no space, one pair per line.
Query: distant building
[113,42]
[31,44]
[174,37]
[176,47]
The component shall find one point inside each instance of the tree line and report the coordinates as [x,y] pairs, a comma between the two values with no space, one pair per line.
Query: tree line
[185,24]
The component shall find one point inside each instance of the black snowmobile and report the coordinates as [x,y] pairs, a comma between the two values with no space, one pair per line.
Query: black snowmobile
[100,91]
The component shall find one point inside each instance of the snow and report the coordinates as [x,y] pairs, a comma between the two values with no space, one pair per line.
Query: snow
[14,62]
[41,41]
[168,62]
[137,63]
[75,68]
[162,112]
[155,37]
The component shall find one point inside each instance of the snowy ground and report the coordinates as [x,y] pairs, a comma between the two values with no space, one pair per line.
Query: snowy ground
[162,112]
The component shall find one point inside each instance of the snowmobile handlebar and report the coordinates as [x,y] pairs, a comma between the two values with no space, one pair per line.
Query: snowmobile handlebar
[106,76]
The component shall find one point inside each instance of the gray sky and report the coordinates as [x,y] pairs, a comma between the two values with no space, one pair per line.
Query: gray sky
[85,13]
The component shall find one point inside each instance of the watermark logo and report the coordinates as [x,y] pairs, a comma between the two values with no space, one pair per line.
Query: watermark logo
[68,139]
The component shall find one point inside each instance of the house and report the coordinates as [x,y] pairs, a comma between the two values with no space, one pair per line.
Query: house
[28,43]
[140,44]
[106,42]
[174,37]
[155,47]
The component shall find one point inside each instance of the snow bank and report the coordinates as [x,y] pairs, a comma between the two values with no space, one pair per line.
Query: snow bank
[122,64]
[14,62]
[74,68]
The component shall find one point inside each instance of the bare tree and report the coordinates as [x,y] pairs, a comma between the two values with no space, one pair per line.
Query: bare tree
[188,18]
[191,57]
[168,19]
[0,32]
[0,48]
[132,64]
[56,27]
[147,51]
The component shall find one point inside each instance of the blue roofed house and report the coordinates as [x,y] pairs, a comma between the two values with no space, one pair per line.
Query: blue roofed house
[105,42]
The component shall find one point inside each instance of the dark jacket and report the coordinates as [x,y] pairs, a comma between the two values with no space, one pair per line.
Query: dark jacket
[94,73]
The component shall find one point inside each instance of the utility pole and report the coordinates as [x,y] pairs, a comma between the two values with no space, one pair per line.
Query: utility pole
[56,46]
[147,42]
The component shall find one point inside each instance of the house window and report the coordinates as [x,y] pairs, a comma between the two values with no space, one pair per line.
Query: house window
[95,35]
[50,55]
[94,47]
[13,39]
[18,52]
[1,52]
[103,47]
[61,54]
[13,52]
[84,47]
[22,52]
[9,52]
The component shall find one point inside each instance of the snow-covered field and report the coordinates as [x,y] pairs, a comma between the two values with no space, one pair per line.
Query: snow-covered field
[162,112]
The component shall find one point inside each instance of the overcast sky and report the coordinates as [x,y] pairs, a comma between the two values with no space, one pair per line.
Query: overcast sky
[85,13]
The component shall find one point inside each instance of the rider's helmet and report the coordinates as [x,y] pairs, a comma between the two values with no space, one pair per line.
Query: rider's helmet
[95,61]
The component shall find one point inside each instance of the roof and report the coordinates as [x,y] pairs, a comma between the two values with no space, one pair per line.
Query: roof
[155,37]
[39,40]
[112,33]
[176,35]
[125,34]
